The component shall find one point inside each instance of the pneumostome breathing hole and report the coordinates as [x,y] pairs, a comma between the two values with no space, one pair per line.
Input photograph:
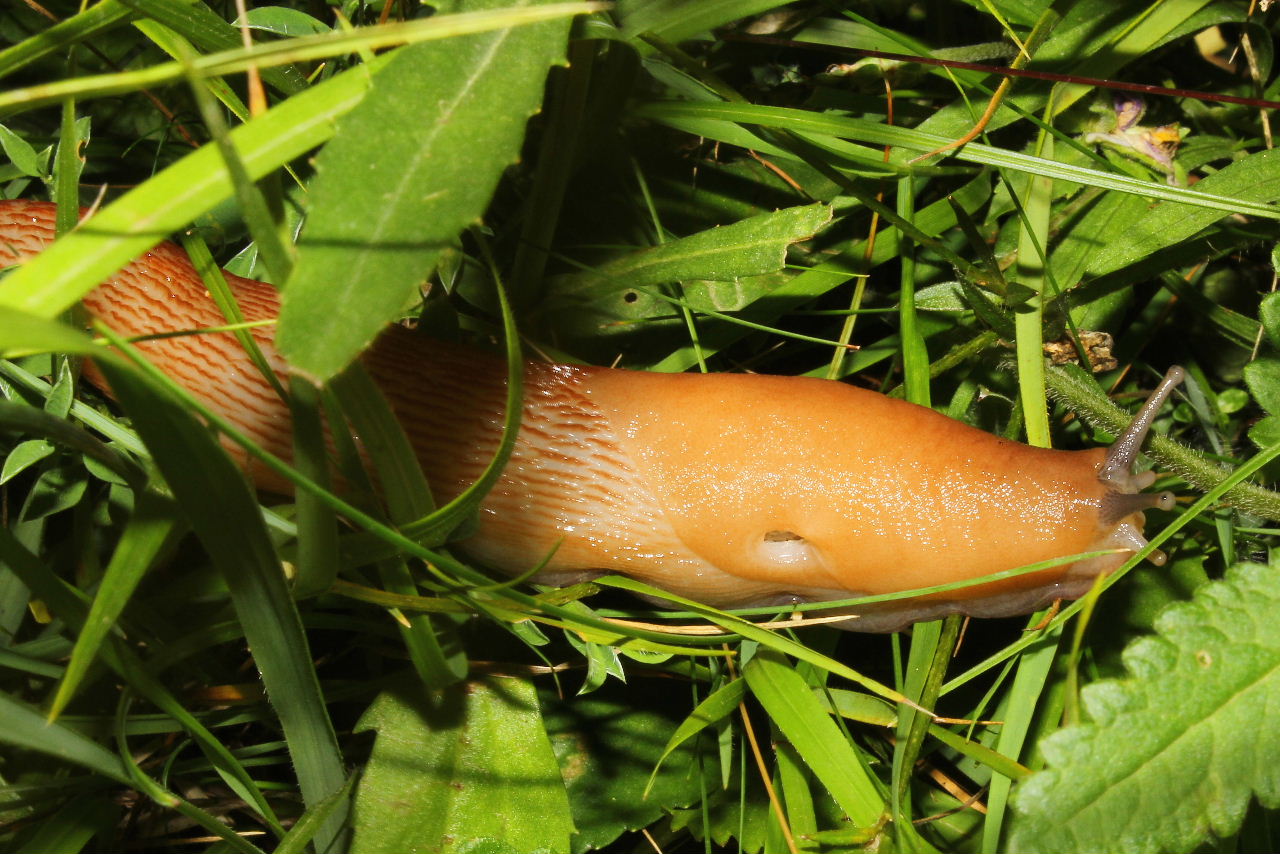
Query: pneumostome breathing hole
[781,537]
[787,550]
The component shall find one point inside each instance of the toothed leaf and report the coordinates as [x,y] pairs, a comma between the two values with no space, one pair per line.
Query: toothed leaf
[1175,751]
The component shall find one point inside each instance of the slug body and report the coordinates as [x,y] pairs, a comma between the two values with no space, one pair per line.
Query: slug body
[736,490]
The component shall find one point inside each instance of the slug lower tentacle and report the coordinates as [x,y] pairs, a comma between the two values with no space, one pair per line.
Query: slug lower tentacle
[736,490]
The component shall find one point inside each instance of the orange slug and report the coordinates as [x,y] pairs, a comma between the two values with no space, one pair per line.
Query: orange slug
[735,490]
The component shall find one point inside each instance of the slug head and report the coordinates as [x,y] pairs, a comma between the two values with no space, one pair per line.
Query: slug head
[1124,501]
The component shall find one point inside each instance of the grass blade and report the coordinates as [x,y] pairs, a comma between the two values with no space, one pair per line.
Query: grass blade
[222,511]
[792,706]
[150,527]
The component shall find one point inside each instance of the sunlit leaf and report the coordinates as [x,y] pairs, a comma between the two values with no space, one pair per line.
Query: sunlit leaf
[1176,750]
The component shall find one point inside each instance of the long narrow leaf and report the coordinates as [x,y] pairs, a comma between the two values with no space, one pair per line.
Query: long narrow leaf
[223,513]
[818,740]
[150,526]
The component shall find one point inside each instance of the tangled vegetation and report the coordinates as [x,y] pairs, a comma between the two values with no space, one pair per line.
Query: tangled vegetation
[720,185]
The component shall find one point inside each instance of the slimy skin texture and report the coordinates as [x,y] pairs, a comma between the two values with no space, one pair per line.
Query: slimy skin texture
[736,490]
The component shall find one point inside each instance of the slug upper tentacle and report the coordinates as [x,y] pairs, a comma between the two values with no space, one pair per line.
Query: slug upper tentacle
[1125,502]
[732,489]
[1117,469]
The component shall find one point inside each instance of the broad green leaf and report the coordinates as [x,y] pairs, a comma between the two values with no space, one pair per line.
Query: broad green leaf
[57,489]
[1110,215]
[20,153]
[471,769]
[607,744]
[722,268]
[602,659]
[1174,751]
[820,743]
[1263,379]
[58,403]
[23,456]
[408,169]
[1269,314]
[283,21]
[35,422]
[1266,432]
[751,247]
[829,275]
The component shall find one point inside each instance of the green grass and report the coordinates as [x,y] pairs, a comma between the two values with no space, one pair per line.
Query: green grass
[649,186]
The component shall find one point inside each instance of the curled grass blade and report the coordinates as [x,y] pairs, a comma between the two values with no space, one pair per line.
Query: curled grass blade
[143,783]
[222,511]
[69,604]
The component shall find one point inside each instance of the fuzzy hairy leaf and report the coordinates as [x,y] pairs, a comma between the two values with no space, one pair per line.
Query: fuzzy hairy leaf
[1174,751]
[472,770]
[607,744]
[1269,314]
